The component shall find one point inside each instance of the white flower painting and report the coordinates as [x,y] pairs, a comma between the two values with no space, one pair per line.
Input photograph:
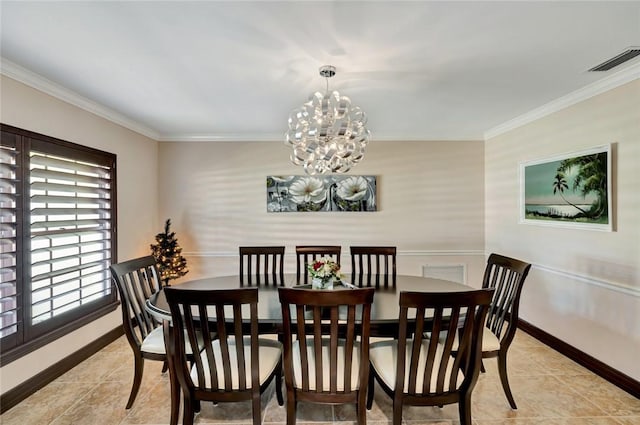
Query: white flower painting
[323,193]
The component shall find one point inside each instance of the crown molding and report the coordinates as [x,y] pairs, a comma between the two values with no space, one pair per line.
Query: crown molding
[605,84]
[279,138]
[220,137]
[38,82]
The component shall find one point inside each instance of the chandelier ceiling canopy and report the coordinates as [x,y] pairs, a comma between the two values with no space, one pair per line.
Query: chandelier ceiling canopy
[327,134]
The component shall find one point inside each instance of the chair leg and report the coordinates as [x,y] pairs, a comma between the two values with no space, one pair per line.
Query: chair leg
[360,407]
[279,385]
[255,406]
[370,391]
[165,366]
[138,368]
[502,371]
[397,410]
[188,414]
[464,409]
[482,369]
[291,408]
[175,399]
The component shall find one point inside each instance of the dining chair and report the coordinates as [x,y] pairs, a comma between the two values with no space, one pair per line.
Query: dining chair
[234,363]
[326,353]
[371,263]
[423,371]
[308,253]
[505,275]
[137,280]
[262,264]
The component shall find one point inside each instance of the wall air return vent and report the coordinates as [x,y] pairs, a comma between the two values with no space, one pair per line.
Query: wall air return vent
[623,57]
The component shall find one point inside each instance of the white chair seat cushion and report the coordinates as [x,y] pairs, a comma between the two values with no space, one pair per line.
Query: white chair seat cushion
[384,359]
[154,342]
[326,383]
[490,342]
[270,353]
[379,339]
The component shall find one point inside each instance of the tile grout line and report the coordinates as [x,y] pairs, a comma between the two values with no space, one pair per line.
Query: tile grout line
[86,394]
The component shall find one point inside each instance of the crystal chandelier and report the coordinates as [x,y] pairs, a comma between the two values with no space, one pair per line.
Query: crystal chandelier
[327,134]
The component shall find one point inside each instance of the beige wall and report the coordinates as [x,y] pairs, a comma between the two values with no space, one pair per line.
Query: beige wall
[137,170]
[584,287]
[430,204]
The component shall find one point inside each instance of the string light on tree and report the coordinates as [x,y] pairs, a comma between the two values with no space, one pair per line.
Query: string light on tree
[171,264]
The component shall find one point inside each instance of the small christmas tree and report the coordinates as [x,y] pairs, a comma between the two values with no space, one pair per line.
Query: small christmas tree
[171,264]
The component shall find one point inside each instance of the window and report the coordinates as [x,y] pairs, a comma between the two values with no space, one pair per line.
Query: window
[57,238]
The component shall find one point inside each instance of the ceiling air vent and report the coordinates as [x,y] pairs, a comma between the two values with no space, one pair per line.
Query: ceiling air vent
[627,55]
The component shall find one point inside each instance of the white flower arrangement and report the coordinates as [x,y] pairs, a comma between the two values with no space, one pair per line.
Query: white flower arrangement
[325,269]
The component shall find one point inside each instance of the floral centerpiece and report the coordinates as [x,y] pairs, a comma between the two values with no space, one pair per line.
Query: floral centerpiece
[324,271]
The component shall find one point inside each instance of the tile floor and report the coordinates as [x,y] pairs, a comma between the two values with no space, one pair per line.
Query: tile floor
[549,389]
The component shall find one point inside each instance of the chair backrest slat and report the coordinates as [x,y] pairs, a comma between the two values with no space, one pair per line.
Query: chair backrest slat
[193,311]
[317,346]
[262,264]
[136,280]
[306,254]
[328,326]
[349,344]
[373,265]
[506,276]
[433,358]
[222,357]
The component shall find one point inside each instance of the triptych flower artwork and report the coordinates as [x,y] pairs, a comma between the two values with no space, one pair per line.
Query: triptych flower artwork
[321,193]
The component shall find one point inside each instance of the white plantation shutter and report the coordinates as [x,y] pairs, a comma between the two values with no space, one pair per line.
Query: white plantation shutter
[57,238]
[8,237]
[70,234]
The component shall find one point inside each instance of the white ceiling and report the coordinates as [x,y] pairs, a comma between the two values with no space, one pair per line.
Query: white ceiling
[214,70]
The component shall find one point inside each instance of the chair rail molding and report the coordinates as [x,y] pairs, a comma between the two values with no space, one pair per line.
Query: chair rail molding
[408,253]
[602,283]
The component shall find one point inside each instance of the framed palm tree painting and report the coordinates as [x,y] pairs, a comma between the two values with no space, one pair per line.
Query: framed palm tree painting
[571,190]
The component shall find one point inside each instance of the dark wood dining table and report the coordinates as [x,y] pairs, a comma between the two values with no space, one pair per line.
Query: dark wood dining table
[384,311]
